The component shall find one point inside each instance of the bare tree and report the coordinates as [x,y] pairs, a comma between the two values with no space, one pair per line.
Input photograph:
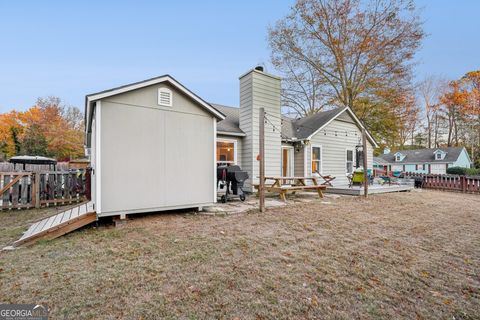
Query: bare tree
[407,113]
[302,90]
[429,92]
[354,47]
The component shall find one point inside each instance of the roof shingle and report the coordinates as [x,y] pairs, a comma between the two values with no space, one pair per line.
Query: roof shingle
[423,155]
[291,128]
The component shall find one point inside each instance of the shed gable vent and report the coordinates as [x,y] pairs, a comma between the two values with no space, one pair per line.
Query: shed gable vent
[165,97]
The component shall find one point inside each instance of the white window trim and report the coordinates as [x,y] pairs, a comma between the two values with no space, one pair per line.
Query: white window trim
[346,159]
[292,163]
[321,157]
[165,90]
[235,149]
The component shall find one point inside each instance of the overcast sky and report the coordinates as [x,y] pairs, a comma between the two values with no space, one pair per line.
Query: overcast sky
[72,48]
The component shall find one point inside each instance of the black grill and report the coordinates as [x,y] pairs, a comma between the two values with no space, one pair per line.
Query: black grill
[232,179]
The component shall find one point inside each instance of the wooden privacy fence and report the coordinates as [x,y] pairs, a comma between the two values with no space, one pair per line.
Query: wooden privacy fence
[448,182]
[20,190]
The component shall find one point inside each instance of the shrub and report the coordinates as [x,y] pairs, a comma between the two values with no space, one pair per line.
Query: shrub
[457,170]
[473,172]
[463,171]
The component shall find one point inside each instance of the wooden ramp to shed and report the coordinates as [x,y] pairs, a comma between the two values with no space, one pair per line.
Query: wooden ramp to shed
[59,224]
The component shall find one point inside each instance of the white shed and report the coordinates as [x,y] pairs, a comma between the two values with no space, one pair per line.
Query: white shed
[152,146]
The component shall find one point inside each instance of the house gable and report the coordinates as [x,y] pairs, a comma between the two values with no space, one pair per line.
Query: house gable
[166,80]
[398,156]
[346,115]
[147,97]
[439,154]
[463,160]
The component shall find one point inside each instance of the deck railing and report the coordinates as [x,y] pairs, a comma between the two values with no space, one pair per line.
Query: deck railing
[21,190]
[448,182]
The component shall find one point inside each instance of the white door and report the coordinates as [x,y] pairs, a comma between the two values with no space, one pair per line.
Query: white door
[438,168]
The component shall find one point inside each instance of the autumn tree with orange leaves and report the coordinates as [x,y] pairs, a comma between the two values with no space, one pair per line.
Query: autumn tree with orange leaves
[48,128]
[459,106]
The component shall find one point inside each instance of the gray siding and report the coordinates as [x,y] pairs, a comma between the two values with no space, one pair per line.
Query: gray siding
[149,154]
[334,149]
[299,162]
[257,90]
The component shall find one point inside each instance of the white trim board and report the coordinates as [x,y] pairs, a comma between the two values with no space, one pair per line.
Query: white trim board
[98,157]
[233,134]
[214,160]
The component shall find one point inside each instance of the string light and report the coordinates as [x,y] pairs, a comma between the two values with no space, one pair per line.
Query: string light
[301,126]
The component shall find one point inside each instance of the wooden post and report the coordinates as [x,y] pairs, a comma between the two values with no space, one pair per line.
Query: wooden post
[262,159]
[36,190]
[365,163]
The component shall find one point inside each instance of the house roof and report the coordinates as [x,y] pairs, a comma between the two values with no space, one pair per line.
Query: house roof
[294,129]
[231,123]
[307,126]
[380,160]
[91,98]
[423,155]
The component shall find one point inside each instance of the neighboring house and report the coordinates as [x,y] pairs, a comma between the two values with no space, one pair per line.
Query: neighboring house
[435,161]
[154,145]
[326,142]
[380,163]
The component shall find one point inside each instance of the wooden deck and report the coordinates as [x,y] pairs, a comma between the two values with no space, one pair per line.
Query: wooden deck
[59,224]
[372,189]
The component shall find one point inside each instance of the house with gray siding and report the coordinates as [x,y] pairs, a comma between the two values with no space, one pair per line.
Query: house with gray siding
[435,160]
[154,145]
[326,142]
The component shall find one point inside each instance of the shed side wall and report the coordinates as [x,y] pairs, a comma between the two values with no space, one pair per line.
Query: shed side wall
[155,157]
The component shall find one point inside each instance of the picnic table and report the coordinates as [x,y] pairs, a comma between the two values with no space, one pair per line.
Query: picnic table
[297,184]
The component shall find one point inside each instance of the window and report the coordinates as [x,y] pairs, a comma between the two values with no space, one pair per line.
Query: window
[226,152]
[349,161]
[398,157]
[438,156]
[424,167]
[165,97]
[316,159]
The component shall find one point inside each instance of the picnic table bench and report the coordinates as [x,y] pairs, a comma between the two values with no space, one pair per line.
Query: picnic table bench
[298,184]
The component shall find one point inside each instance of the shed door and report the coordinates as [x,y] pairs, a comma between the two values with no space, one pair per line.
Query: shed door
[438,168]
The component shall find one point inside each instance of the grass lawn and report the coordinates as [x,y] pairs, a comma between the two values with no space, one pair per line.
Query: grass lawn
[404,255]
